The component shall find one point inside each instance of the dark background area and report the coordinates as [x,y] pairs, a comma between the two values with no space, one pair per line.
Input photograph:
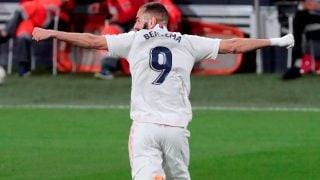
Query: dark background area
[271,56]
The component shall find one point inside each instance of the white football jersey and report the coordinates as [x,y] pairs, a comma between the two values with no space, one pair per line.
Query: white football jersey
[160,64]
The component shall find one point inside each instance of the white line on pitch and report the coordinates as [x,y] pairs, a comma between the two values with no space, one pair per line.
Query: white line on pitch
[217,108]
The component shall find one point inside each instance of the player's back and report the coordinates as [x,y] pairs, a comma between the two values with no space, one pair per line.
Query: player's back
[160,65]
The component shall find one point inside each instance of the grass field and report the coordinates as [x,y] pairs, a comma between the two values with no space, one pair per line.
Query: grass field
[245,126]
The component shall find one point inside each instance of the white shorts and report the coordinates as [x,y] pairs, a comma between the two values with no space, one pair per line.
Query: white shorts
[158,150]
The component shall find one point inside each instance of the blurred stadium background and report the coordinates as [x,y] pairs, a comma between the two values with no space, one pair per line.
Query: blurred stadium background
[252,18]
[248,123]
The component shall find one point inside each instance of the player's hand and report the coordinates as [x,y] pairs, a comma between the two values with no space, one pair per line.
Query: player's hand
[287,41]
[39,34]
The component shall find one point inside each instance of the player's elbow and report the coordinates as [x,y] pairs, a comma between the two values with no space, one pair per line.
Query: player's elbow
[97,42]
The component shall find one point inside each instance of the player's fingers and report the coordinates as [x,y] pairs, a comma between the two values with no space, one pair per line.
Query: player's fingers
[34,34]
[34,31]
[291,41]
[35,37]
[38,34]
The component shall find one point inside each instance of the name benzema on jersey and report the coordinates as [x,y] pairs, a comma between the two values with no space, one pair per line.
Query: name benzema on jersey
[152,34]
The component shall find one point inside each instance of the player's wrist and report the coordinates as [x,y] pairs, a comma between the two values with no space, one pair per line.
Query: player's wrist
[275,41]
[52,33]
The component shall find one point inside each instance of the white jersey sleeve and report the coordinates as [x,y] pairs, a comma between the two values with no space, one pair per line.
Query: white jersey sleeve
[203,47]
[120,45]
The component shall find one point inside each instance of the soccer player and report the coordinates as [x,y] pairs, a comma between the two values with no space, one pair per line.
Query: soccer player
[160,63]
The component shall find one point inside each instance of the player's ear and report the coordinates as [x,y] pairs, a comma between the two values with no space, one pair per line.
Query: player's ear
[152,22]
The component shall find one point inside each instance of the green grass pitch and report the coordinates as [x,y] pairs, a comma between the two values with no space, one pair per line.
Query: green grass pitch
[92,144]
[244,127]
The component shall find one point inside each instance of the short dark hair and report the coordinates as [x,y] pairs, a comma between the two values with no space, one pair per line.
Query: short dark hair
[158,10]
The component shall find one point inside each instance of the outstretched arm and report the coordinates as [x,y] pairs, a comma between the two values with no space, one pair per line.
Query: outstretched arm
[241,45]
[85,40]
